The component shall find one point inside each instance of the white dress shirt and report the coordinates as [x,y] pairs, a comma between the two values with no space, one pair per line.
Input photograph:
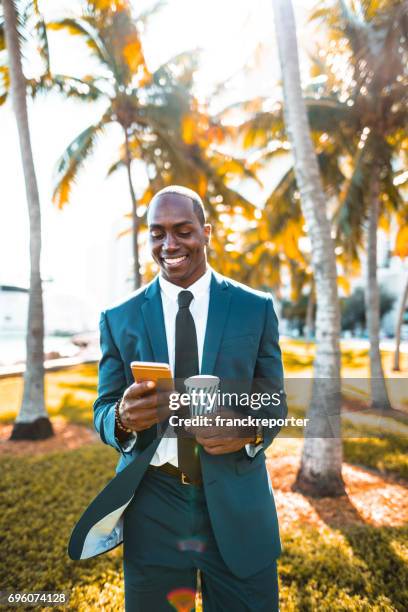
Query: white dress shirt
[198,308]
[166,451]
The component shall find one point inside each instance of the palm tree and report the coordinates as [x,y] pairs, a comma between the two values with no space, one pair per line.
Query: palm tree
[357,122]
[162,123]
[184,148]
[160,119]
[401,249]
[376,94]
[32,421]
[320,472]
[273,244]
[124,81]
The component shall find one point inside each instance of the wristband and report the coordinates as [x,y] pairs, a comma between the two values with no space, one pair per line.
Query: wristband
[118,420]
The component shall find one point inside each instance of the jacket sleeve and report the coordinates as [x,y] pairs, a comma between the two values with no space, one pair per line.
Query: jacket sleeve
[268,375]
[111,386]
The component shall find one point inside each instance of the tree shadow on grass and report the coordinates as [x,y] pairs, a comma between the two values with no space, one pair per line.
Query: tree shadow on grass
[384,552]
[337,511]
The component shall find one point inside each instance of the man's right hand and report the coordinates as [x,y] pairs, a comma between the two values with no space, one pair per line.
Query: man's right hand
[142,406]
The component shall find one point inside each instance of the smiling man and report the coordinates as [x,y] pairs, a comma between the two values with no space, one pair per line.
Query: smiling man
[182,503]
[178,235]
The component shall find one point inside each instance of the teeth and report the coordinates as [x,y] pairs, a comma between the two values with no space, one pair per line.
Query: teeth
[175,260]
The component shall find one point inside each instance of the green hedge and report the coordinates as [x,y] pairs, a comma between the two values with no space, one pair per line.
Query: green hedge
[358,568]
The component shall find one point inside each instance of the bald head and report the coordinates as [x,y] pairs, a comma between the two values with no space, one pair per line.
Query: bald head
[178,190]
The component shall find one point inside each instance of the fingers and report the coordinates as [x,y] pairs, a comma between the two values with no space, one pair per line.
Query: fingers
[138,417]
[139,389]
[140,410]
[153,400]
[217,450]
[221,446]
[142,420]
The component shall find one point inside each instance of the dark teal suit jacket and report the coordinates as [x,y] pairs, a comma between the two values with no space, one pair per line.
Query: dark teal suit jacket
[241,348]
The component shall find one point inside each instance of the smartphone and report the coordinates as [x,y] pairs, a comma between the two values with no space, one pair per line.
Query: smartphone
[160,373]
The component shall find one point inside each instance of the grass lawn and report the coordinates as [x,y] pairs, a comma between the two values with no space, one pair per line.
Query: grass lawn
[352,568]
[70,393]
[329,568]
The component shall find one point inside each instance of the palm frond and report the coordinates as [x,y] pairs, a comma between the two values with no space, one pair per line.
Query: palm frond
[34,20]
[150,12]
[72,160]
[118,165]
[274,150]
[188,165]
[30,26]
[262,128]
[351,215]
[247,107]
[135,151]
[22,31]
[42,38]
[23,15]
[230,168]
[326,113]
[83,28]
[282,208]
[319,12]
[84,89]
[391,194]
[178,71]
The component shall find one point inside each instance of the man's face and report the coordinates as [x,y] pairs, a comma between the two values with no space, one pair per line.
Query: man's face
[177,239]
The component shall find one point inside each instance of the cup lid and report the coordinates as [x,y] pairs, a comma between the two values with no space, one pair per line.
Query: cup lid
[201,379]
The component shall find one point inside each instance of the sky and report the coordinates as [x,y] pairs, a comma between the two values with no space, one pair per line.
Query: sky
[81,250]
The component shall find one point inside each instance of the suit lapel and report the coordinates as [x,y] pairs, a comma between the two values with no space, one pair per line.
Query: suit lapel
[218,308]
[152,311]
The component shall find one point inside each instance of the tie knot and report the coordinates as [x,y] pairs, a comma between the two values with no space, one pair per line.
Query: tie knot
[184,299]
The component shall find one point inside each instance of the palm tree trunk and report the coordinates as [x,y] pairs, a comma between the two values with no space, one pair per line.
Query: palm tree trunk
[32,421]
[400,320]
[379,394]
[309,319]
[135,219]
[320,471]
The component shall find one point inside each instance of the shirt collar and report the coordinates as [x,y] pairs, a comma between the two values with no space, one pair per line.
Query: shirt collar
[199,288]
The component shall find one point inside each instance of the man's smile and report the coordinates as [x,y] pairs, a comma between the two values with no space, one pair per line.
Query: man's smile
[174,262]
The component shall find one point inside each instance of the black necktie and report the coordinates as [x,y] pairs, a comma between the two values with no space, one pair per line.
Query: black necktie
[186,365]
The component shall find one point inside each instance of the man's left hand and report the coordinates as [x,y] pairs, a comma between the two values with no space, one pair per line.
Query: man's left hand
[221,440]
[221,446]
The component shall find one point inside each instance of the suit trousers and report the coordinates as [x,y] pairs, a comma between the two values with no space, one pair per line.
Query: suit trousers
[167,538]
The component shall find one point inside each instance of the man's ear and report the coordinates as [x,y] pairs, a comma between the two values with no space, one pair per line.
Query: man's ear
[207,233]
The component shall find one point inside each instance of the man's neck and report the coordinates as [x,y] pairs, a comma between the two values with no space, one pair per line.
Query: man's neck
[188,283]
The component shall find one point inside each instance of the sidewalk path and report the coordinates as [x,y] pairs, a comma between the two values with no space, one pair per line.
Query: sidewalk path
[50,366]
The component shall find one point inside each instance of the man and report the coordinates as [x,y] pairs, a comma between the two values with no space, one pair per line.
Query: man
[198,502]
